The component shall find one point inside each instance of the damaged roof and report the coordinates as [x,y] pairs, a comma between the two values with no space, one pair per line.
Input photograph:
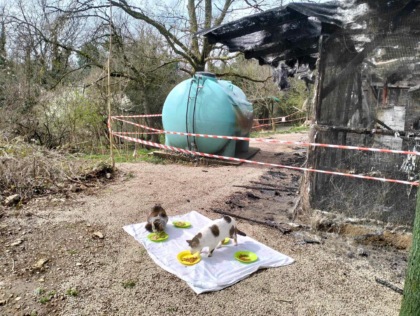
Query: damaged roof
[292,33]
[277,34]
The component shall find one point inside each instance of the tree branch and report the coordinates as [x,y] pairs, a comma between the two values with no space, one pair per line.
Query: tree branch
[226,74]
[79,52]
[193,25]
[186,70]
[68,73]
[83,8]
[171,39]
[165,64]
[207,48]
[255,6]
[222,15]
[125,58]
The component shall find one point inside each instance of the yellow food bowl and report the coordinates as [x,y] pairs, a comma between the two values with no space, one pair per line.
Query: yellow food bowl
[186,258]
[158,237]
[245,256]
[226,241]
[181,224]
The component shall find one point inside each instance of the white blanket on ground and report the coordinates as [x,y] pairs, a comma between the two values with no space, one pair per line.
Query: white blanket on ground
[207,275]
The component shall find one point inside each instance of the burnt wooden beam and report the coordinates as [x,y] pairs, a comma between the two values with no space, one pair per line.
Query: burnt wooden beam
[389,285]
[378,131]
[283,189]
[279,226]
[384,125]
[252,187]
[264,183]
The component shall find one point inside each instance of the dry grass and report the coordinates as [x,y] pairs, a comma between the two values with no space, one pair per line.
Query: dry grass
[30,170]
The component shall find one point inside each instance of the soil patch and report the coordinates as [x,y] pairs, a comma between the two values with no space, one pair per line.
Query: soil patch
[70,256]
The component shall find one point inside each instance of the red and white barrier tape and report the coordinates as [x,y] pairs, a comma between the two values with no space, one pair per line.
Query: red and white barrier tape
[137,133]
[279,117]
[277,141]
[137,116]
[297,119]
[144,142]
[268,119]
[278,122]
[262,125]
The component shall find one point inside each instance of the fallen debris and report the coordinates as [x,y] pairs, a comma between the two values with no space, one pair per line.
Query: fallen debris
[40,263]
[16,243]
[311,241]
[307,238]
[256,187]
[280,226]
[263,183]
[12,200]
[98,235]
[362,252]
[252,196]
[389,285]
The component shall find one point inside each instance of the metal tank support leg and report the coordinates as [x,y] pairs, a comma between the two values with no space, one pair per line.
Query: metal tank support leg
[229,149]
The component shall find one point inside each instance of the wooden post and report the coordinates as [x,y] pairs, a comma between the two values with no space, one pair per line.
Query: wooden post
[309,179]
[273,123]
[111,152]
[410,305]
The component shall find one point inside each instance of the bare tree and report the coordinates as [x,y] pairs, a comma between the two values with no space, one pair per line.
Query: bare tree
[175,24]
[66,42]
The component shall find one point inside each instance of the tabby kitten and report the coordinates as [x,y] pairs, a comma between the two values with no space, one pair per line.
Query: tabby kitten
[157,219]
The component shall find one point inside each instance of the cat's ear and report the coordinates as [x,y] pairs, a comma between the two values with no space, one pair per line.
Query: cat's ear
[189,242]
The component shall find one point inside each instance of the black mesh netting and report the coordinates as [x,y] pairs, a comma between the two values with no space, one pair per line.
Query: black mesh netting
[364,57]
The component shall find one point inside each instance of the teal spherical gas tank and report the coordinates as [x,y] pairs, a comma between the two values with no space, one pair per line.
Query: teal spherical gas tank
[205,105]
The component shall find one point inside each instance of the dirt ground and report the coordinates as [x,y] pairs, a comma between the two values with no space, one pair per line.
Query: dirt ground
[70,256]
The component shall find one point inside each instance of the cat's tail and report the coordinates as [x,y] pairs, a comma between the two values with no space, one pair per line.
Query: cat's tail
[240,232]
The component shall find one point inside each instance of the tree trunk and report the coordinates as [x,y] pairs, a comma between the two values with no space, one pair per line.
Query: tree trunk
[151,123]
[410,305]
[2,44]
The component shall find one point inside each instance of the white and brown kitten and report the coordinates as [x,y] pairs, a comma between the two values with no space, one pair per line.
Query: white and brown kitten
[157,219]
[213,234]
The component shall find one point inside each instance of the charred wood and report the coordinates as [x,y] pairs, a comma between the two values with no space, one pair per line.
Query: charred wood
[402,134]
[280,226]
[389,285]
